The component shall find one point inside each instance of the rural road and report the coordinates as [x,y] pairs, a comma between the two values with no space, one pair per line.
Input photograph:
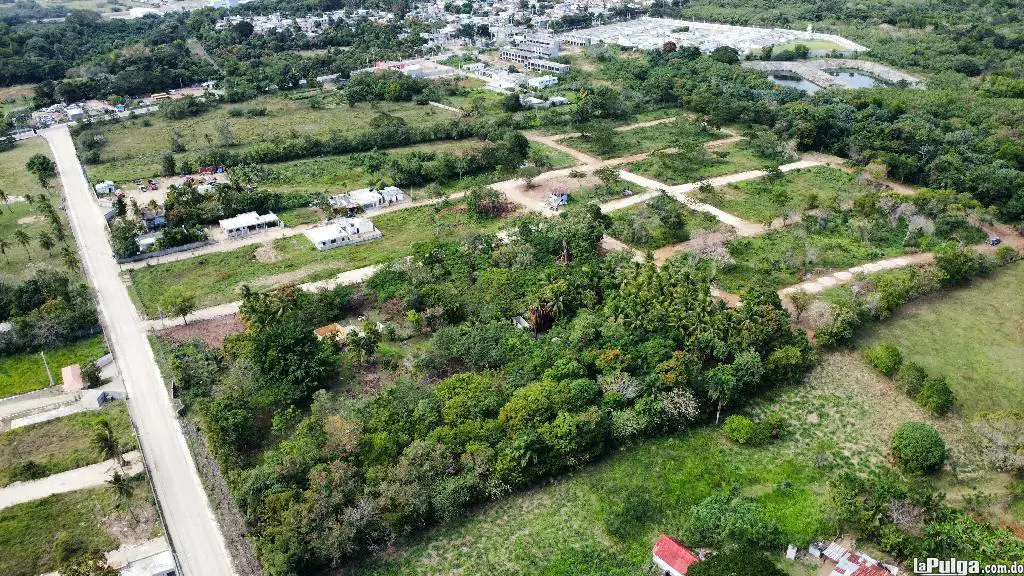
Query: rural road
[77,479]
[191,525]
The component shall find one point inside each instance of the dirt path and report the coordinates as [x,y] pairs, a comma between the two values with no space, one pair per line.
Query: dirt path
[609,244]
[78,479]
[837,278]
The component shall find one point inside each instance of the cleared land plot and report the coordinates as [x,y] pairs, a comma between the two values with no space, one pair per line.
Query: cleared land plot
[15,97]
[60,445]
[216,278]
[657,223]
[18,262]
[674,169]
[974,337]
[134,147]
[763,200]
[781,257]
[646,139]
[91,517]
[25,372]
[840,418]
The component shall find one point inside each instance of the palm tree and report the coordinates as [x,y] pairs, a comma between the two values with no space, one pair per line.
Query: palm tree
[123,491]
[59,233]
[46,242]
[22,238]
[106,443]
[4,245]
[68,257]
[3,197]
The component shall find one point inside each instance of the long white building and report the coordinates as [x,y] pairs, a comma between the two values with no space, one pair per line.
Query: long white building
[342,232]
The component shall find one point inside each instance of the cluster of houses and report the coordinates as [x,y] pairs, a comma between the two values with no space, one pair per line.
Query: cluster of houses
[534,52]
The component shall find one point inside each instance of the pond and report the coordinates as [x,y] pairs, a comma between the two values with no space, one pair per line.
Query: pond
[855,78]
[794,81]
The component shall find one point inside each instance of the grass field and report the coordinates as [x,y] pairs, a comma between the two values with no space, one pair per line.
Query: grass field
[134,147]
[91,517]
[62,444]
[646,139]
[780,257]
[19,262]
[641,226]
[840,418]
[216,278]
[763,200]
[15,97]
[674,169]
[25,372]
[974,337]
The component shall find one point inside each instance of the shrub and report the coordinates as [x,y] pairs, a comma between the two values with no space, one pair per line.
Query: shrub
[736,561]
[918,448]
[1006,254]
[886,358]
[769,428]
[629,515]
[910,379]
[739,429]
[936,396]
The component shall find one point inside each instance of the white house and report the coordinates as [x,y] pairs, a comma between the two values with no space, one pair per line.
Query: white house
[475,67]
[542,82]
[368,198]
[104,188]
[247,223]
[75,113]
[342,232]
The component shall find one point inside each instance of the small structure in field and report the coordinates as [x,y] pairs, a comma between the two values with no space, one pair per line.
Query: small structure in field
[333,331]
[105,188]
[342,232]
[248,223]
[367,198]
[71,376]
[672,558]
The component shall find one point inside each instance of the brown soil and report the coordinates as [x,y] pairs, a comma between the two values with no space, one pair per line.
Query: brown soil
[211,331]
[267,253]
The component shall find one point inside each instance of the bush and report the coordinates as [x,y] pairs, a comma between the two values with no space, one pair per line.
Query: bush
[910,379]
[1006,254]
[936,396]
[629,515]
[769,428]
[918,448]
[886,358]
[736,561]
[739,429]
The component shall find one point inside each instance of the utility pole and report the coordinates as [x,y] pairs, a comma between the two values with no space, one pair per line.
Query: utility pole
[47,366]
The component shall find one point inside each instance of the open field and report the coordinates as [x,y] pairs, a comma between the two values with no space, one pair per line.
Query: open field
[62,444]
[25,372]
[781,257]
[763,200]
[974,337]
[646,139]
[216,278]
[91,517]
[134,147]
[18,262]
[644,225]
[674,169]
[840,418]
[15,97]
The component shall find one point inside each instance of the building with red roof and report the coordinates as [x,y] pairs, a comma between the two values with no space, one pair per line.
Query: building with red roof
[671,557]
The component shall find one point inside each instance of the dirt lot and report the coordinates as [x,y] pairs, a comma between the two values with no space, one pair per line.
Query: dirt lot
[212,331]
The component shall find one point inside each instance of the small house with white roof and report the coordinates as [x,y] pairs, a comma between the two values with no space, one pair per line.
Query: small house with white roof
[248,223]
[342,232]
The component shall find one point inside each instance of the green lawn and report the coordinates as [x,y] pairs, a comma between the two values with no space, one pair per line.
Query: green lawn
[25,372]
[781,257]
[974,337]
[764,200]
[18,263]
[62,444]
[28,531]
[643,225]
[646,139]
[216,278]
[134,147]
[675,169]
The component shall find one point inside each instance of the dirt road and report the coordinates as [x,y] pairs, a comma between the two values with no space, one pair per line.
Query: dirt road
[191,525]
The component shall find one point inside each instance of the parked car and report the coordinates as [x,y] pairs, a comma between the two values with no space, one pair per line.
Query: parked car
[994,241]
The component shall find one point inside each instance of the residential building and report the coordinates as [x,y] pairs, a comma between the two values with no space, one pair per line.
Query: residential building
[104,188]
[342,232]
[75,113]
[541,46]
[367,198]
[542,82]
[531,62]
[475,67]
[248,223]
[850,563]
[671,557]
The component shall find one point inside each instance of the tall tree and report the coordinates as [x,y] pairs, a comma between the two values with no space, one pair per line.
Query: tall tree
[46,241]
[22,238]
[105,441]
[123,491]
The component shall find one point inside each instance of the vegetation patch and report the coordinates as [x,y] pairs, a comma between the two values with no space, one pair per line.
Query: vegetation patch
[60,445]
[660,222]
[605,142]
[20,373]
[692,163]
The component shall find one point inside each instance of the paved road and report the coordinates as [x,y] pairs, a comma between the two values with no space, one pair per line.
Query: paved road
[77,479]
[190,522]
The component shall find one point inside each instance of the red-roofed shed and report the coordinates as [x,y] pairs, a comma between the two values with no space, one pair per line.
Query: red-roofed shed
[672,557]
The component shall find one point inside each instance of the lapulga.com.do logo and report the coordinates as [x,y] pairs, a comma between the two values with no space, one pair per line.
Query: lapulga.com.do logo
[954,567]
